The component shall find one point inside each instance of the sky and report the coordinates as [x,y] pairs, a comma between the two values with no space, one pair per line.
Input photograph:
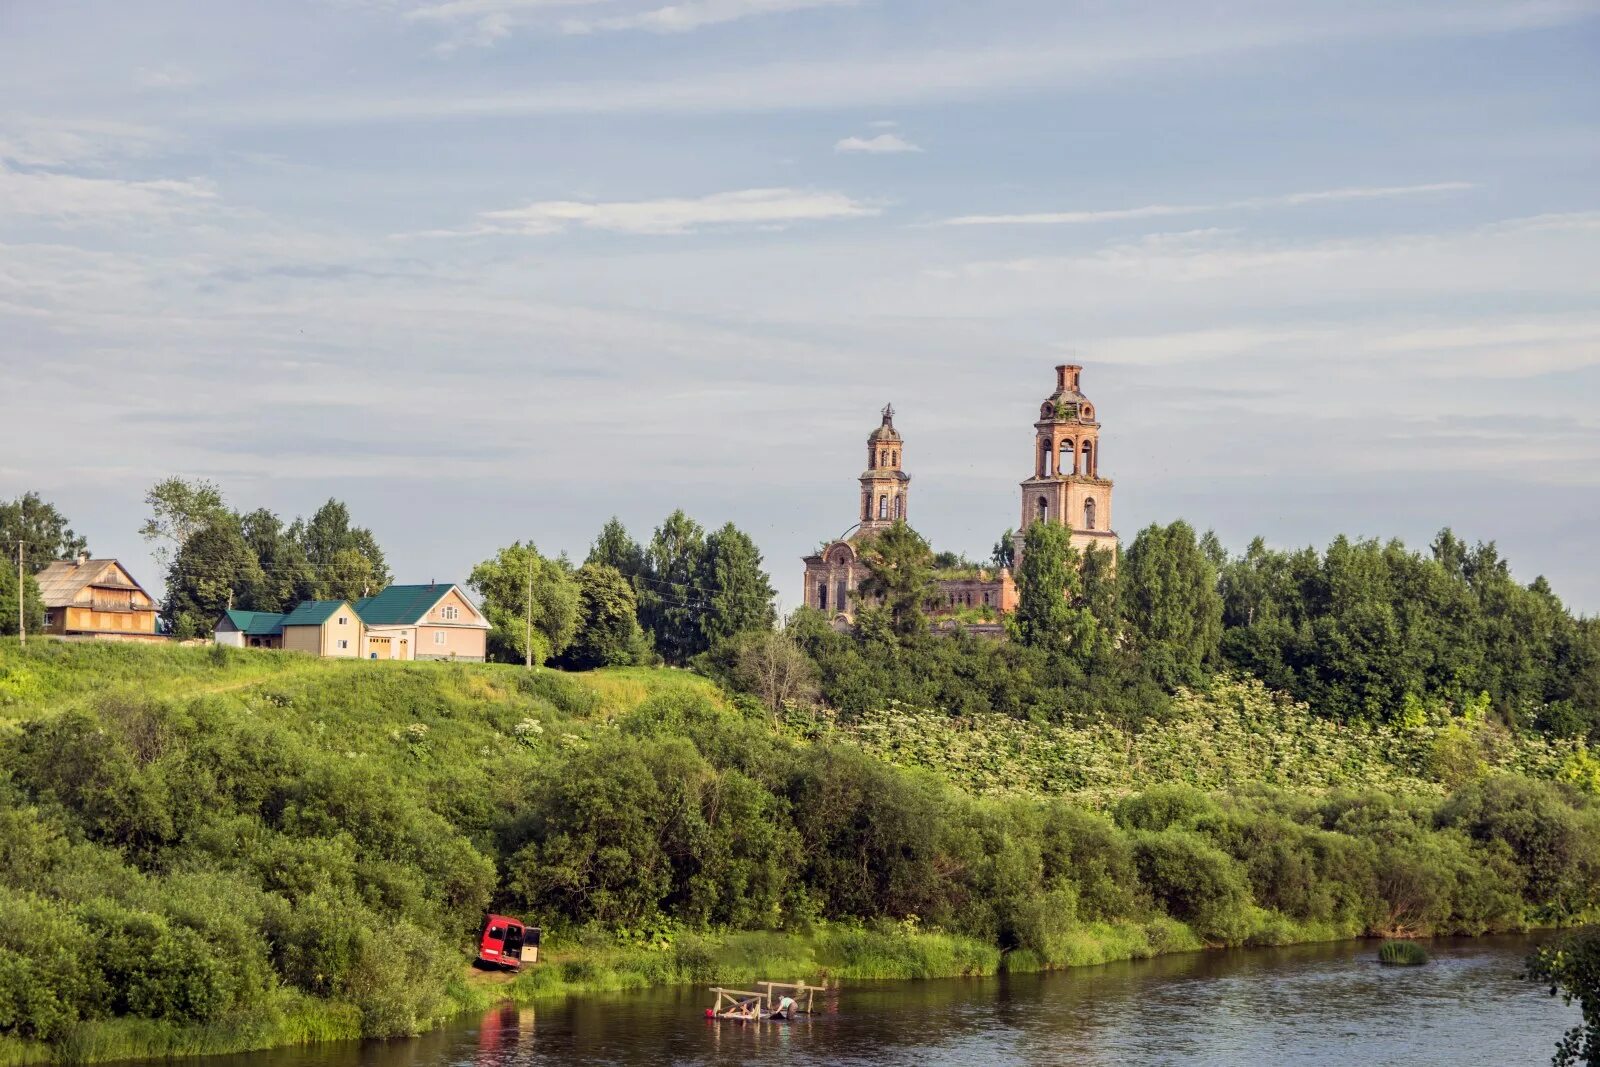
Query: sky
[497,270]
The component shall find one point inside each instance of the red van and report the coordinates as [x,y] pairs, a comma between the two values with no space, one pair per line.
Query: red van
[505,942]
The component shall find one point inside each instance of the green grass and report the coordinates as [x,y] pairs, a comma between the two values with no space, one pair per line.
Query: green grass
[1402,954]
[292,1019]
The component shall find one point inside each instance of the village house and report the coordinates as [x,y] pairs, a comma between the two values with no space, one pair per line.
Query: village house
[95,599]
[249,629]
[329,628]
[424,622]
[404,622]
[1064,487]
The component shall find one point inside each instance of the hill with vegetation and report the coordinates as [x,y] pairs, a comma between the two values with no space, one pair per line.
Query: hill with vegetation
[265,848]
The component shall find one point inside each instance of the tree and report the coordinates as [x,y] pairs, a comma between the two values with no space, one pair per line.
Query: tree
[672,591]
[179,509]
[608,633]
[503,584]
[44,534]
[214,570]
[774,668]
[344,560]
[1005,551]
[740,596]
[1098,581]
[1571,968]
[1172,612]
[8,600]
[617,549]
[1049,588]
[284,567]
[899,567]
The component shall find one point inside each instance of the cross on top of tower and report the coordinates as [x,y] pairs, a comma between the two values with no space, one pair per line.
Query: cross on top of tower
[888,414]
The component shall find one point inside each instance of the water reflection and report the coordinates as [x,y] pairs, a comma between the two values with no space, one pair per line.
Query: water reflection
[1294,1007]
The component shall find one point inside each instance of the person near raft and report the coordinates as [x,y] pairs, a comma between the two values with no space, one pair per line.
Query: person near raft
[786,1008]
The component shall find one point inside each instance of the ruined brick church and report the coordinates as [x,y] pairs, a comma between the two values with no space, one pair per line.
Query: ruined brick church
[1065,487]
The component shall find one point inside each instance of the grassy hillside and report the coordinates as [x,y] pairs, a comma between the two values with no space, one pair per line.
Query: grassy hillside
[273,849]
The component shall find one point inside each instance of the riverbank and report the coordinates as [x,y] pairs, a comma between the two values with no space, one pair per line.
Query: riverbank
[829,953]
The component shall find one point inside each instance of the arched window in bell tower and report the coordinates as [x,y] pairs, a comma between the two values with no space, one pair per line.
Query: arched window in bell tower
[1088,514]
[883,506]
[822,596]
[1044,459]
[1068,462]
[899,507]
[1088,459]
[1043,513]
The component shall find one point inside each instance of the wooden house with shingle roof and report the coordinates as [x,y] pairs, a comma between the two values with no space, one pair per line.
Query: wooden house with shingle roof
[95,598]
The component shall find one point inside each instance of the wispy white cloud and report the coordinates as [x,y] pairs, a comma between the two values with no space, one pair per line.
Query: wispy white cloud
[882,144]
[744,208]
[70,198]
[694,14]
[164,77]
[54,142]
[1149,211]
[918,75]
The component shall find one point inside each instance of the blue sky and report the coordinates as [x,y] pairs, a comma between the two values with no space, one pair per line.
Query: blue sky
[499,269]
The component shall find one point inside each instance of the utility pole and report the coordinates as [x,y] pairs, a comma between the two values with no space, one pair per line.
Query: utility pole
[528,648]
[22,603]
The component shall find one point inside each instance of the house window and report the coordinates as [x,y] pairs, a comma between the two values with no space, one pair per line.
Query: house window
[343,620]
[451,612]
[438,638]
[343,643]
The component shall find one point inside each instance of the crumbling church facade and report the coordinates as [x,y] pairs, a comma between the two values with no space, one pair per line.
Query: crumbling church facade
[1065,487]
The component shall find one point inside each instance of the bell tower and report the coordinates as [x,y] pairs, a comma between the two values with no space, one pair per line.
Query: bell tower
[1066,486]
[884,484]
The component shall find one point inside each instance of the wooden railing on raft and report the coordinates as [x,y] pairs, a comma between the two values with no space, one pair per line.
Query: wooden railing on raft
[773,989]
[767,1000]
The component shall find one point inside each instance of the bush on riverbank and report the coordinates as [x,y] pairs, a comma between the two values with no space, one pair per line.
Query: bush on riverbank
[304,851]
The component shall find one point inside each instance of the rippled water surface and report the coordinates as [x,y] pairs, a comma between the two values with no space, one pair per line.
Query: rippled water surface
[1292,1007]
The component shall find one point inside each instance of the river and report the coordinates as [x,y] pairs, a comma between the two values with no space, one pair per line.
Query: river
[1290,1007]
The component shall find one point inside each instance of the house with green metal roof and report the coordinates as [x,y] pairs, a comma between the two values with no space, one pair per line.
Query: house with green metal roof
[433,621]
[329,628]
[249,629]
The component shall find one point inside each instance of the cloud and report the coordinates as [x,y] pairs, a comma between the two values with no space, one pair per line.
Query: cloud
[916,75]
[882,144]
[694,14]
[166,77]
[744,208]
[54,142]
[72,198]
[1147,211]
[483,23]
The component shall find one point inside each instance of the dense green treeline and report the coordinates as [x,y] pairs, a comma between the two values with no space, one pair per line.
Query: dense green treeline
[1363,632]
[309,853]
